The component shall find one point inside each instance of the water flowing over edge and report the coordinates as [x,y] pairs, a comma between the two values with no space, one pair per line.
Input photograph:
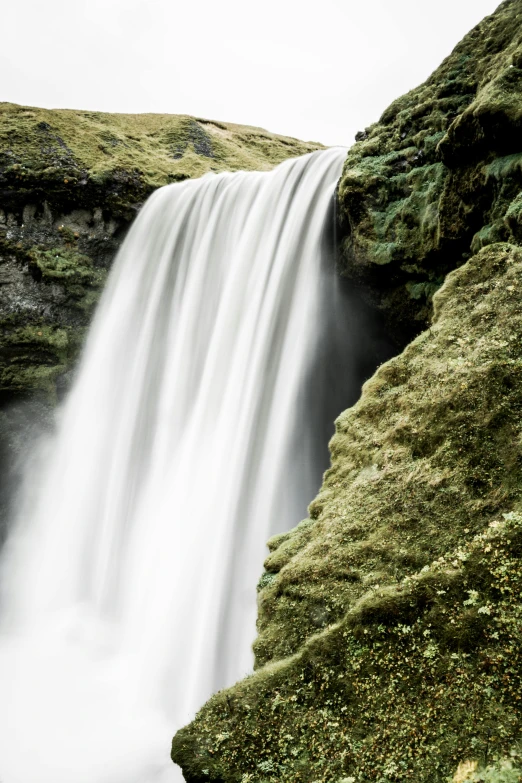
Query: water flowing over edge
[128,582]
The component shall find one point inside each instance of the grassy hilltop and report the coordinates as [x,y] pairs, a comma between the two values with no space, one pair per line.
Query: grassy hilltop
[126,154]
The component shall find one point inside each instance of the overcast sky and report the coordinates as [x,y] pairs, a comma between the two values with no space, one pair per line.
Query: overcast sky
[317,71]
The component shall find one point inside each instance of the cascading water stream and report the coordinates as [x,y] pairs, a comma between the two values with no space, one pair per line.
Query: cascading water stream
[128,581]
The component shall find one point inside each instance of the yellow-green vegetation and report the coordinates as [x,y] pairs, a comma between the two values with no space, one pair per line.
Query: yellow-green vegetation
[506,770]
[433,435]
[389,629]
[438,176]
[75,272]
[120,158]
[34,357]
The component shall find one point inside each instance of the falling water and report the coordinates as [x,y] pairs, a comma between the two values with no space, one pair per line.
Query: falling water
[128,582]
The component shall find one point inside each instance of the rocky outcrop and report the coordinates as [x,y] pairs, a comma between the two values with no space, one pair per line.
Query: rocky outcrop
[439,176]
[389,632]
[388,644]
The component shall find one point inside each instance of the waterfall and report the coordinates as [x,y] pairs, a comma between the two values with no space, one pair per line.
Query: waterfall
[128,580]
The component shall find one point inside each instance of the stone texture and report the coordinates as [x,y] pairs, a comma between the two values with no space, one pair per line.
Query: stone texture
[438,176]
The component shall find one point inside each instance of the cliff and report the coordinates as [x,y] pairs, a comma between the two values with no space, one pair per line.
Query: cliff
[389,629]
[438,177]
[70,184]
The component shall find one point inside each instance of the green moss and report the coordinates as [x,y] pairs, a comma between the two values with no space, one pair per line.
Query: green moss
[513,218]
[38,350]
[33,358]
[500,168]
[71,269]
[488,235]
[423,290]
[74,146]
[415,678]
[388,627]
[506,770]
[442,162]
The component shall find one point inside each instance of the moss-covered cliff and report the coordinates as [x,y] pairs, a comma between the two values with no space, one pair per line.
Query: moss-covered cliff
[389,627]
[439,176]
[70,183]
[390,623]
[114,161]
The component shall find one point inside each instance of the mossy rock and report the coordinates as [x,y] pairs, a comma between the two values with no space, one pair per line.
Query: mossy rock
[389,629]
[83,159]
[438,176]
[48,299]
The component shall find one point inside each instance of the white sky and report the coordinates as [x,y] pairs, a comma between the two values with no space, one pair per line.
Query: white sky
[317,71]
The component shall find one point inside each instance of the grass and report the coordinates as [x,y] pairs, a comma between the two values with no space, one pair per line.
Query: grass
[161,148]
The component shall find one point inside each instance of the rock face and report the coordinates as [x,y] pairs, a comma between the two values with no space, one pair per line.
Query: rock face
[439,176]
[388,625]
[389,621]
[70,184]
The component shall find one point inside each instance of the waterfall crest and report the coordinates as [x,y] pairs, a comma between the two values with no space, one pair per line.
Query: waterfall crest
[128,582]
